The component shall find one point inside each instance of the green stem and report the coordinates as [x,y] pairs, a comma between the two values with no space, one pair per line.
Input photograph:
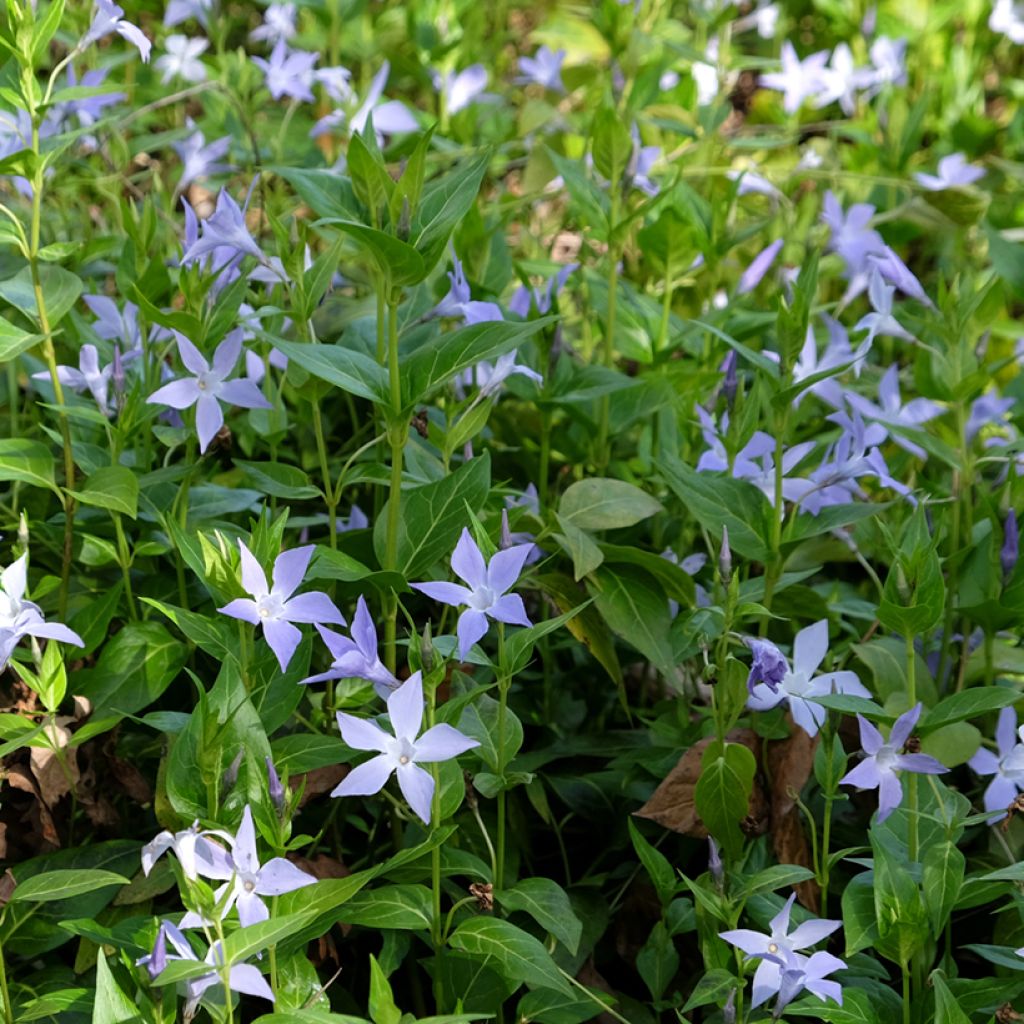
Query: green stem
[544,469]
[8,1009]
[325,472]
[123,556]
[912,781]
[905,970]
[398,431]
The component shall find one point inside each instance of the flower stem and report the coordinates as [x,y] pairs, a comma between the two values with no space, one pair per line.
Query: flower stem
[398,431]
[124,558]
[437,925]
[4,993]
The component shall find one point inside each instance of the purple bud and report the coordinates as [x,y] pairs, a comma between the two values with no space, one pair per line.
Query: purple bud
[729,1010]
[274,787]
[768,665]
[725,557]
[730,384]
[1011,545]
[231,775]
[506,533]
[467,451]
[158,958]
[715,862]
[117,374]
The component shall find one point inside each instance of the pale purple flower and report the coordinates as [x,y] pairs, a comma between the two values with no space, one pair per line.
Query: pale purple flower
[1006,766]
[459,89]
[20,617]
[881,768]
[540,299]
[1007,18]
[108,17]
[458,303]
[954,170]
[641,163]
[892,413]
[288,72]
[768,977]
[356,658]
[181,10]
[805,974]
[691,565]
[881,320]
[278,24]
[255,369]
[274,788]
[529,500]
[752,183]
[88,376]
[768,665]
[113,325]
[988,410]
[209,386]
[764,18]
[760,471]
[224,230]
[798,80]
[273,607]
[243,978]
[401,753]
[389,117]
[357,520]
[1010,551]
[839,81]
[543,68]
[196,854]
[486,593]
[888,60]
[716,458]
[799,684]
[199,158]
[838,355]
[510,539]
[852,237]
[490,377]
[247,881]
[86,109]
[181,59]
[759,266]
[337,83]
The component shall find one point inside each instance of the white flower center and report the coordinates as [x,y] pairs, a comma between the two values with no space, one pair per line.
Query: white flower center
[482,599]
[885,759]
[208,382]
[269,606]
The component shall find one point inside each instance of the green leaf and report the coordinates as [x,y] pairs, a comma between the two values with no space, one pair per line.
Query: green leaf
[27,461]
[967,704]
[60,287]
[657,962]
[395,261]
[599,503]
[446,355]
[442,206]
[390,906]
[213,637]
[547,903]
[114,487]
[382,1003]
[111,1006]
[580,547]
[856,1008]
[480,720]
[656,864]
[14,341]
[947,1009]
[515,954]
[716,501]
[326,192]
[942,876]
[432,517]
[519,645]
[611,145]
[345,368]
[62,885]
[278,480]
[714,987]
[722,793]
[778,876]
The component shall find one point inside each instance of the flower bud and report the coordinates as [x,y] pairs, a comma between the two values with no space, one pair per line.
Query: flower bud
[725,557]
[231,775]
[426,649]
[274,787]
[158,958]
[1011,545]
[715,863]
[729,1010]
[23,532]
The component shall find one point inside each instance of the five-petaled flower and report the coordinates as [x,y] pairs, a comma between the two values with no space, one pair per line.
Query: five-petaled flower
[273,607]
[1006,766]
[487,590]
[209,386]
[20,617]
[881,768]
[401,753]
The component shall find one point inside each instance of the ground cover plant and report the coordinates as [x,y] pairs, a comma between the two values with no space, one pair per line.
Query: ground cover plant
[509,512]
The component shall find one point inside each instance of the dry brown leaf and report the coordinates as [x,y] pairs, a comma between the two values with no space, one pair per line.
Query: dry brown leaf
[320,781]
[7,886]
[55,779]
[19,777]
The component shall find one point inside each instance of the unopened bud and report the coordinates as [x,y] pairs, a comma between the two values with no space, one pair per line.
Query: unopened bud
[729,1010]
[231,775]
[715,863]
[274,787]
[731,382]
[23,532]
[902,584]
[158,958]
[405,220]
[725,557]
[506,533]
[467,451]
[1011,545]
[117,373]
[426,649]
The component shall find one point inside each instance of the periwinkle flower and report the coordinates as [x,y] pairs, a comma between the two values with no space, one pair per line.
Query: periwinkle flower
[764,18]
[401,753]
[752,183]
[489,377]
[543,68]
[954,170]
[799,684]
[107,18]
[540,299]
[113,325]
[838,355]
[851,235]
[88,376]
[768,666]
[881,768]
[248,880]
[390,117]
[759,266]
[890,410]
[209,386]
[1007,18]
[800,973]
[839,81]
[459,89]
[798,80]
[199,158]
[1006,766]
[888,64]
[357,520]
[196,854]
[181,10]
[357,657]
[274,607]
[278,24]
[458,303]
[881,320]
[288,72]
[20,617]
[641,162]
[181,59]
[255,369]
[274,788]
[780,941]
[486,595]
[242,978]
[224,229]
[988,411]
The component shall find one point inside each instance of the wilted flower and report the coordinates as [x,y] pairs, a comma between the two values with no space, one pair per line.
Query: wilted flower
[181,59]
[288,72]
[273,607]
[780,940]
[799,685]
[108,17]
[89,376]
[401,753]
[768,667]
[20,618]
[209,386]
[356,658]
[543,68]
[798,80]
[486,594]
[880,769]
[1007,766]
[954,170]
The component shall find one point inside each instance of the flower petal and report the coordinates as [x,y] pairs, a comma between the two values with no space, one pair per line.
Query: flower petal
[367,778]
[290,568]
[179,394]
[506,567]
[313,607]
[510,609]
[472,626]
[405,708]
[243,850]
[283,638]
[810,648]
[361,734]
[417,787]
[254,579]
[241,608]
[279,875]
[447,593]
[468,561]
[209,419]
[441,743]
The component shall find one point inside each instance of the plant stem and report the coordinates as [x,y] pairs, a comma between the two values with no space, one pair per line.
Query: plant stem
[905,970]
[123,556]
[912,781]
[398,432]
[8,1009]
[329,494]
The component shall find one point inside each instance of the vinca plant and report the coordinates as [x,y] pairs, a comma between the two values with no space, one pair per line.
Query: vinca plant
[509,512]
